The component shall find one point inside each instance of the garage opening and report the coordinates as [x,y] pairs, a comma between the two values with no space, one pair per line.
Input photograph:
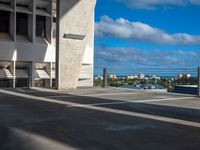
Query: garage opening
[21,77]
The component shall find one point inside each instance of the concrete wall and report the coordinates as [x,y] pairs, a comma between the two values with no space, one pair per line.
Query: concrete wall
[27,48]
[75,57]
[27,51]
[78,17]
[87,68]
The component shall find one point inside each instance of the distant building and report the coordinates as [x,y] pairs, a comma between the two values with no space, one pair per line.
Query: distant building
[141,76]
[180,75]
[184,76]
[155,77]
[99,77]
[113,76]
[188,75]
[132,77]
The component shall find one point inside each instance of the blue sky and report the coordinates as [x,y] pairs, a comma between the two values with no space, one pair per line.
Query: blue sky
[147,33]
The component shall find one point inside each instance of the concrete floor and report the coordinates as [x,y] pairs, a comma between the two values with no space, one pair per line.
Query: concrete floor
[98,119]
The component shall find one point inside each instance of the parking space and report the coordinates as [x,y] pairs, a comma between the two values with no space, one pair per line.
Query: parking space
[97,118]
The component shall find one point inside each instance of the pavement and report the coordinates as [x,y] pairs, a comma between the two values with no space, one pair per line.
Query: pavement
[98,119]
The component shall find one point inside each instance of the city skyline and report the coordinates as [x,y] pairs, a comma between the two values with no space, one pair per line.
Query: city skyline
[152,34]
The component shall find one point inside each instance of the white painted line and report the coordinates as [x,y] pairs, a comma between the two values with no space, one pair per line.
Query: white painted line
[109,110]
[136,101]
[100,104]
[164,99]
[60,96]
[108,94]
[125,101]
[91,95]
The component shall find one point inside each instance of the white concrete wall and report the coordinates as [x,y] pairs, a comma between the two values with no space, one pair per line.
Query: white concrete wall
[27,51]
[87,73]
[79,20]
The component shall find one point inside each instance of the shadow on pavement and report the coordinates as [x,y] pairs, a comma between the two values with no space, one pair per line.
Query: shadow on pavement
[27,124]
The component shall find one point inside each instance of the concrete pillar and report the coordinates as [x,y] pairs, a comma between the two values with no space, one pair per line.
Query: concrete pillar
[198,82]
[48,31]
[105,77]
[49,71]
[49,24]
[13,21]
[33,36]
[13,71]
[12,31]
[30,28]
[31,72]
[73,21]
[51,76]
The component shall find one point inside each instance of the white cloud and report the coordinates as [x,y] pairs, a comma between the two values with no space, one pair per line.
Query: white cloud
[138,57]
[124,29]
[197,2]
[153,4]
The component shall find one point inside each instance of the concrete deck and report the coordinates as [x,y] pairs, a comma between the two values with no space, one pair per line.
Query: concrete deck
[98,119]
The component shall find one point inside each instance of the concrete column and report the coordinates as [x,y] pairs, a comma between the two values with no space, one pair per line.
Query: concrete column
[105,77]
[33,17]
[30,27]
[12,31]
[13,21]
[51,79]
[48,31]
[49,71]
[13,71]
[31,72]
[73,21]
[198,82]
[49,24]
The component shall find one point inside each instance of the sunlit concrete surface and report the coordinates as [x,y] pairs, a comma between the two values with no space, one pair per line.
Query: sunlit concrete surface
[98,118]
